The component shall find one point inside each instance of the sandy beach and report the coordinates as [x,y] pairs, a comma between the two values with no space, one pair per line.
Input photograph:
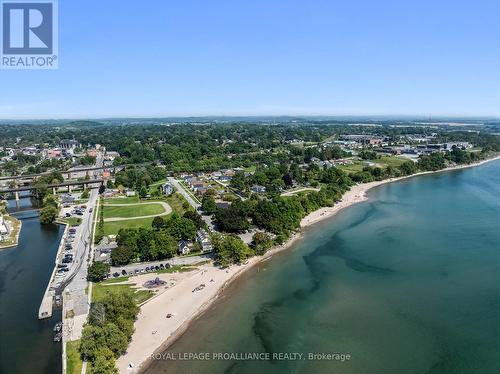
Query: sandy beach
[154,331]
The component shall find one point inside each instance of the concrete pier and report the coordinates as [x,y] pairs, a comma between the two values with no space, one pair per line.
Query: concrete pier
[45,310]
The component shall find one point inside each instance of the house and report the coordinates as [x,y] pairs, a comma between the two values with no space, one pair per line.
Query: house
[54,153]
[4,228]
[111,155]
[222,205]
[129,193]
[184,247]
[167,188]
[103,251]
[258,189]
[69,144]
[92,153]
[204,239]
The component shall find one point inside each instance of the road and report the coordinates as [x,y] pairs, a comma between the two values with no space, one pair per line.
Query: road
[75,298]
[183,192]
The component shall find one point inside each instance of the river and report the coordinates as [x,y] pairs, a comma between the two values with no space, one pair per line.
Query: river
[26,345]
[407,282]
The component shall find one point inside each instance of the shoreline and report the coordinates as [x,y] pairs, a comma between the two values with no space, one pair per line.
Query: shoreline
[144,346]
[18,233]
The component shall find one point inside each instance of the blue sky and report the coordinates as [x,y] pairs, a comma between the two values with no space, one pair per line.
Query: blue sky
[174,58]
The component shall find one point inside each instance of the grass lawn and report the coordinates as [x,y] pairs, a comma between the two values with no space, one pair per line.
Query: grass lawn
[352,168]
[390,160]
[177,268]
[100,290]
[154,186]
[177,203]
[133,210]
[112,228]
[73,359]
[122,200]
[72,221]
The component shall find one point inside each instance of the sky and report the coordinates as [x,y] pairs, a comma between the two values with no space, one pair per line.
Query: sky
[155,58]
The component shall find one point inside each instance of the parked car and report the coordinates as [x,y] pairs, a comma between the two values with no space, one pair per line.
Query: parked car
[124,272]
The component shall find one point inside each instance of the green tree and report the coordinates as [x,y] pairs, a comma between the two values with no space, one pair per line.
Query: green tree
[181,228]
[104,362]
[97,271]
[143,192]
[208,204]
[121,255]
[115,339]
[195,217]
[238,181]
[262,242]
[158,223]
[48,215]
[230,249]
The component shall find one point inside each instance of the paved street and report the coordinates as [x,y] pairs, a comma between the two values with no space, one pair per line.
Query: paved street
[75,285]
[183,192]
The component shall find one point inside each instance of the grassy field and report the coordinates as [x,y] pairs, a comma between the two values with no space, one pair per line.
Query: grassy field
[72,221]
[112,228]
[176,202]
[132,211]
[390,160]
[177,268]
[154,186]
[122,200]
[73,359]
[383,162]
[100,290]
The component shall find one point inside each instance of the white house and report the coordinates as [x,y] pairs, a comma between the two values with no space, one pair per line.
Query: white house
[184,247]
[167,188]
[204,239]
[4,228]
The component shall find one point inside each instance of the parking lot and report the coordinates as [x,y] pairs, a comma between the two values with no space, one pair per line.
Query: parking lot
[146,267]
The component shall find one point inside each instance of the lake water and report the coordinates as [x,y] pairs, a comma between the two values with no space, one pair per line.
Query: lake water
[26,345]
[408,282]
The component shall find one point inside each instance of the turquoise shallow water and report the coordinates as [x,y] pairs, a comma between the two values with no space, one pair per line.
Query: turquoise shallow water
[408,282]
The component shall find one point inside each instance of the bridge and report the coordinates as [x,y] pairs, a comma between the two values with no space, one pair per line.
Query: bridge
[75,171]
[68,184]
[66,172]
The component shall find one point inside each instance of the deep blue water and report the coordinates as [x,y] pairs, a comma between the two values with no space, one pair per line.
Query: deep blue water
[408,282]
[25,342]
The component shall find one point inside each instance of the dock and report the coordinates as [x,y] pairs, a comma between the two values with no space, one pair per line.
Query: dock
[45,310]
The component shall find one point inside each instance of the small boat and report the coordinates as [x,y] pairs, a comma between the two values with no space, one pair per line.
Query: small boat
[58,327]
[57,337]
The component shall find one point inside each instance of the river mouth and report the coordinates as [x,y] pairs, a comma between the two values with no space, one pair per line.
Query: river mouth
[25,342]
